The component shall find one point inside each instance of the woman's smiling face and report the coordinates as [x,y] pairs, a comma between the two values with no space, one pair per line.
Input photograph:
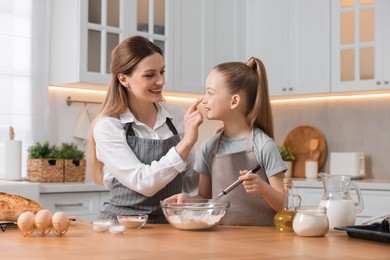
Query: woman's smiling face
[217,99]
[147,80]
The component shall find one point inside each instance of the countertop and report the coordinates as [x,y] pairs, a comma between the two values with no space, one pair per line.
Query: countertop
[159,241]
[367,184]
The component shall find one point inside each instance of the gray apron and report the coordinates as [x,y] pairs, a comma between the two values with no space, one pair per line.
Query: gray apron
[124,201]
[245,209]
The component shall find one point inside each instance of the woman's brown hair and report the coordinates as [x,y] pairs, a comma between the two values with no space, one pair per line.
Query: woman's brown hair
[124,59]
[250,78]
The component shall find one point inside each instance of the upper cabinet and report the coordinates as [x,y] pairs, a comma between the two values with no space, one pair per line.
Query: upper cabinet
[205,33]
[84,33]
[360,45]
[292,39]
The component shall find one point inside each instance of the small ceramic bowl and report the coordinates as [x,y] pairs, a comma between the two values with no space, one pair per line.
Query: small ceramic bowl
[117,229]
[133,221]
[101,225]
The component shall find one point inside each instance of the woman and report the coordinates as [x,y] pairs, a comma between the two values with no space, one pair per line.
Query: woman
[136,147]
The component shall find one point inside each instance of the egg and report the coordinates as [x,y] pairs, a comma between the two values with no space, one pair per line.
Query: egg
[60,223]
[43,221]
[26,223]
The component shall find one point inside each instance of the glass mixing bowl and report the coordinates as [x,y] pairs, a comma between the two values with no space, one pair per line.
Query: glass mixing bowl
[194,214]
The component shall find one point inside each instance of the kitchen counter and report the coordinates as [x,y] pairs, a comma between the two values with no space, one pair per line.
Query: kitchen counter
[367,184]
[57,187]
[158,241]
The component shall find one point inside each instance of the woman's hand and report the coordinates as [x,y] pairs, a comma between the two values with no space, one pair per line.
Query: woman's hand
[193,118]
[218,129]
[177,198]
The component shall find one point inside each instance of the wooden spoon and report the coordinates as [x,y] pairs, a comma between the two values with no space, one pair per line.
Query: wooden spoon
[316,155]
[313,145]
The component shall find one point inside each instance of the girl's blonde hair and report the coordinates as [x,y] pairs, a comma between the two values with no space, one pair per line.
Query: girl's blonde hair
[250,78]
[124,59]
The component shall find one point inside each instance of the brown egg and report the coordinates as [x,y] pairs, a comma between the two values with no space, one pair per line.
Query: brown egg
[26,223]
[43,221]
[60,222]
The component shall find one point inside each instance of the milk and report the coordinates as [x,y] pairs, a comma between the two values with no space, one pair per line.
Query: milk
[340,212]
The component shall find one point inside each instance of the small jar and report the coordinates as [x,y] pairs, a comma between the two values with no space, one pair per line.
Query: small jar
[311,221]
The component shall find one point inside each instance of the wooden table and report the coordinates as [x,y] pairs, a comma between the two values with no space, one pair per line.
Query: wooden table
[165,242]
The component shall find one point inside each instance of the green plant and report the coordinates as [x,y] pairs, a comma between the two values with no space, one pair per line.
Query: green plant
[43,151]
[286,153]
[70,151]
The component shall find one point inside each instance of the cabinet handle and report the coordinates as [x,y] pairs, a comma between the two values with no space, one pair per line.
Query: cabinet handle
[378,83]
[63,205]
[284,89]
[386,82]
[290,89]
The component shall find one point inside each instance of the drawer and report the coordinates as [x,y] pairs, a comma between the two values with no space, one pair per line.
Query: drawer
[73,204]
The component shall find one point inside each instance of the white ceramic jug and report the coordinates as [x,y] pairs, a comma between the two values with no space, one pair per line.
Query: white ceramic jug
[341,210]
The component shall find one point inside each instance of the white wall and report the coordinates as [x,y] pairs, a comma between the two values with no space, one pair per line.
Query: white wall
[359,125]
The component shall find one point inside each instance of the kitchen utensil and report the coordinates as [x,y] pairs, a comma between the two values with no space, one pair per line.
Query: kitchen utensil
[233,185]
[11,133]
[313,145]
[194,214]
[341,209]
[316,155]
[298,140]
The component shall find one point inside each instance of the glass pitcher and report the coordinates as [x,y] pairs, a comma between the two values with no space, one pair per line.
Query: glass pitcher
[340,208]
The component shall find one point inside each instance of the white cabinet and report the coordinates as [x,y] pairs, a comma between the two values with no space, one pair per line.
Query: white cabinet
[360,45]
[84,205]
[292,39]
[205,33]
[83,34]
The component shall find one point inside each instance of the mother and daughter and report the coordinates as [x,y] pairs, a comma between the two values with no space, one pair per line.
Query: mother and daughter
[141,148]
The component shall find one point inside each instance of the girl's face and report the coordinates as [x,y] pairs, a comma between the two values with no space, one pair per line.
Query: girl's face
[217,99]
[147,80]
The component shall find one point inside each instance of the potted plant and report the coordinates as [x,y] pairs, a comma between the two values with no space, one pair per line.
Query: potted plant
[74,162]
[44,163]
[288,158]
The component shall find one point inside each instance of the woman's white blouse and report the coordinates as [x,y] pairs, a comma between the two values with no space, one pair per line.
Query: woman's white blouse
[121,162]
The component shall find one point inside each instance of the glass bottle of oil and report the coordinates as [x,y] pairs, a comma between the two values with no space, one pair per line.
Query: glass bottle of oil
[283,219]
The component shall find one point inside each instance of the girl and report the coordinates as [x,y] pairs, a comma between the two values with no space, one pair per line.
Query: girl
[136,139]
[237,94]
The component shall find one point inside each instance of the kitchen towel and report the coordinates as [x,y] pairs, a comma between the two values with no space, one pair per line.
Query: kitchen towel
[82,124]
[11,160]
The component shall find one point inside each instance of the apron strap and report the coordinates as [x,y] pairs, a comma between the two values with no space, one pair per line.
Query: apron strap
[130,131]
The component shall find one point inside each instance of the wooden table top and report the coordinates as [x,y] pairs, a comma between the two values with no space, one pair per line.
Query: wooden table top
[158,241]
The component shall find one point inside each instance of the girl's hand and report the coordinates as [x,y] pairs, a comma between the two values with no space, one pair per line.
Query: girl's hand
[253,184]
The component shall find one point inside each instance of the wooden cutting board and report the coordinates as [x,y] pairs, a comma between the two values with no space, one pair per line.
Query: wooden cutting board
[298,140]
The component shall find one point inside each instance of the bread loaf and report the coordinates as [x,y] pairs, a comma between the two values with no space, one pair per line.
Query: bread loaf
[11,206]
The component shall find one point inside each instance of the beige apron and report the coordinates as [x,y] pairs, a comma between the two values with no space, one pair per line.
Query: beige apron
[245,209]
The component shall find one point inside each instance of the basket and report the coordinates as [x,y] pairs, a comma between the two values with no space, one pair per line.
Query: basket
[74,170]
[45,170]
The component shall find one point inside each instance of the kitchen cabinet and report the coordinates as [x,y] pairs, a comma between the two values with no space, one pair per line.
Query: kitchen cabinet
[83,200]
[84,33]
[360,45]
[205,33]
[292,38]
[376,196]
